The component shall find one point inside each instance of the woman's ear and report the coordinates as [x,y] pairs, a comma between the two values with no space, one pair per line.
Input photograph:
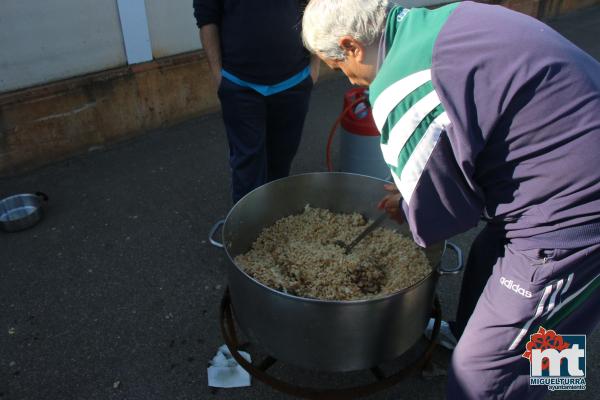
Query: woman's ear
[352,48]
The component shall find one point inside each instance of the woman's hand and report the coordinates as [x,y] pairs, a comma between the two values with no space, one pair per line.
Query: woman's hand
[211,42]
[391,203]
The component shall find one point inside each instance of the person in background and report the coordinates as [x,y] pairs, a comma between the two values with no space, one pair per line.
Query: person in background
[264,77]
[484,113]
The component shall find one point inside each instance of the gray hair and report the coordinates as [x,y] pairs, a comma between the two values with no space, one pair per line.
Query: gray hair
[326,21]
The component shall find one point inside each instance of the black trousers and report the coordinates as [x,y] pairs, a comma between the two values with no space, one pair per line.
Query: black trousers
[263,132]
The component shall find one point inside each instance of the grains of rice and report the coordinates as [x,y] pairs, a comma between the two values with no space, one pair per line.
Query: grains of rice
[298,255]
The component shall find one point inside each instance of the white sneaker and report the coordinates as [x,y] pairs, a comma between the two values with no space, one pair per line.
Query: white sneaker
[446,337]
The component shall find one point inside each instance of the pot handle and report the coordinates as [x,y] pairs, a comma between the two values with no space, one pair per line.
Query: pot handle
[43,195]
[459,260]
[212,232]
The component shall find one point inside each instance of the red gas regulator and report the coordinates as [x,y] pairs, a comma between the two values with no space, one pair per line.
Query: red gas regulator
[360,137]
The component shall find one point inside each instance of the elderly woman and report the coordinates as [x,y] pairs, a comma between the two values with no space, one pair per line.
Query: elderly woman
[484,113]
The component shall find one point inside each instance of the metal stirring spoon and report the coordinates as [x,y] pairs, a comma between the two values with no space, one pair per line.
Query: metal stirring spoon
[348,247]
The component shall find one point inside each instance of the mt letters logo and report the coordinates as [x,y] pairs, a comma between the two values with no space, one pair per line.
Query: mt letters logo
[556,361]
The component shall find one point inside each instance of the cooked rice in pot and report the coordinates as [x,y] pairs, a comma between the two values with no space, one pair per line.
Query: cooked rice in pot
[298,255]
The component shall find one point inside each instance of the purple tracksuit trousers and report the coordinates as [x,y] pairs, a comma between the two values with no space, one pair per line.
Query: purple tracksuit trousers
[520,291]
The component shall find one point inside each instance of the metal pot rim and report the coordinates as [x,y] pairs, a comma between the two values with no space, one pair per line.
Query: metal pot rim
[14,196]
[433,273]
[435,269]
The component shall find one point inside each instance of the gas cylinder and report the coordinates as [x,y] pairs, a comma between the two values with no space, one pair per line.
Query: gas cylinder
[360,150]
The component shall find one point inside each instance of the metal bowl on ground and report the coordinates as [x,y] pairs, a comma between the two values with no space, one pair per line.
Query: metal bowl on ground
[323,334]
[21,211]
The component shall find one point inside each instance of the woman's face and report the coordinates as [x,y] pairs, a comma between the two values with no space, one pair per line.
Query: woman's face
[358,74]
[358,66]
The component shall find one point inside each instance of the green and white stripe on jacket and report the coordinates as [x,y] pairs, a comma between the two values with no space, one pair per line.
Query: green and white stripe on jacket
[406,108]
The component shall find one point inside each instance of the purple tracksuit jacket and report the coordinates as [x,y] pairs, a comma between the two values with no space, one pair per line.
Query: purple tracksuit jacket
[488,113]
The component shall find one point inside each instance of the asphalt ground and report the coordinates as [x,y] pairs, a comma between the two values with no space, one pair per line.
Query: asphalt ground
[115,294]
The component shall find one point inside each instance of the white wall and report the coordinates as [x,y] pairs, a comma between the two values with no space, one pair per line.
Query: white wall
[45,41]
[172,27]
[42,41]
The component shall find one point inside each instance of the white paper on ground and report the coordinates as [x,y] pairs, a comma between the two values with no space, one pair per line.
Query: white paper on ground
[225,372]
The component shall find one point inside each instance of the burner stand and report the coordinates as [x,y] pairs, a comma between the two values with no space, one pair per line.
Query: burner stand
[259,371]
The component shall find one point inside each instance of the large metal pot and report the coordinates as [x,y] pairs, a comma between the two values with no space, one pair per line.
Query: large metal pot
[322,334]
